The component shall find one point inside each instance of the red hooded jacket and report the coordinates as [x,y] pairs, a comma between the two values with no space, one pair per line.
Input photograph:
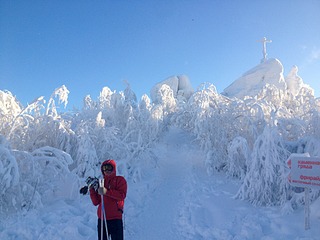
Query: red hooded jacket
[116,193]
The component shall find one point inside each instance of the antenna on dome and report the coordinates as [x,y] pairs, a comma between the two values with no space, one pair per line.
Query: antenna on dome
[264,48]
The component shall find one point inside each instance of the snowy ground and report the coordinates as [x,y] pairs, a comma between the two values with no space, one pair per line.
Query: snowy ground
[176,200]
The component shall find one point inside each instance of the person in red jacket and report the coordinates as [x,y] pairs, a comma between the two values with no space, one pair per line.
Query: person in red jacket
[114,192]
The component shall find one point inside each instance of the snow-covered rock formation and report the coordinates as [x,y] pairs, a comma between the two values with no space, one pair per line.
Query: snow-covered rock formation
[180,86]
[268,72]
[250,84]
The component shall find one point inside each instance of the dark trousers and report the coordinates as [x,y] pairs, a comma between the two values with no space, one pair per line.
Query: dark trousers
[115,229]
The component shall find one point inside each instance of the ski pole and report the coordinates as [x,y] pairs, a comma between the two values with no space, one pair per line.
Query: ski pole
[105,221]
[101,183]
[103,214]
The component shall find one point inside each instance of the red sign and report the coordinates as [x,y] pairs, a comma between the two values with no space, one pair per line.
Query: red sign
[305,171]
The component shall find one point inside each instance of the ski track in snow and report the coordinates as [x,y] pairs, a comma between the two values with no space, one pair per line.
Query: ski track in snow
[176,200]
[158,219]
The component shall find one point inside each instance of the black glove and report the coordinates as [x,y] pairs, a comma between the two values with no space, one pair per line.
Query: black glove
[84,190]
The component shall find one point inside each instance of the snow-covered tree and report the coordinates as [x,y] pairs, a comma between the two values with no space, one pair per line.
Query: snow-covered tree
[238,158]
[86,160]
[9,178]
[266,180]
[9,110]
[62,94]
[55,178]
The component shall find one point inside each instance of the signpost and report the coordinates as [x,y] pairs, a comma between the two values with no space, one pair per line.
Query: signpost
[305,172]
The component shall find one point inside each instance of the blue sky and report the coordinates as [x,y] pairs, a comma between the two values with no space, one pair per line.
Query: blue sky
[87,45]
